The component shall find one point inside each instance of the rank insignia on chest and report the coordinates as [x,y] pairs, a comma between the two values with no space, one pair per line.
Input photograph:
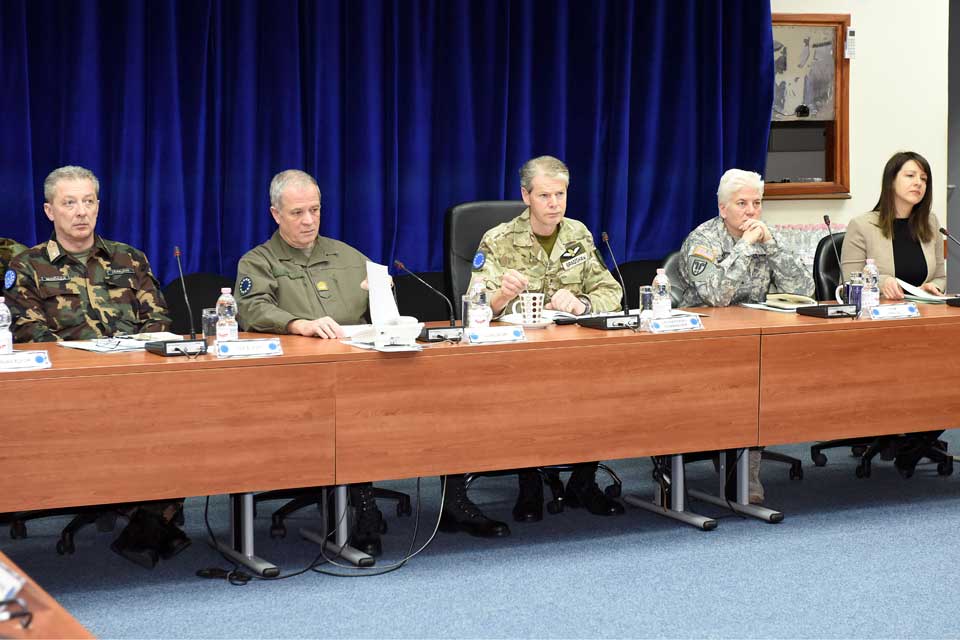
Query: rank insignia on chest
[479,260]
[9,279]
[698,266]
[322,285]
[246,285]
[574,250]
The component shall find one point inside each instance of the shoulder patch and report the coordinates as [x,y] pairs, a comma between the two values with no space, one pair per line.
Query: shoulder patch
[246,285]
[479,260]
[9,279]
[701,251]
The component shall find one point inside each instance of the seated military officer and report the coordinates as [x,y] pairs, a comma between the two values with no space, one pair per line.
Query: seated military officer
[734,258]
[300,282]
[81,286]
[542,251]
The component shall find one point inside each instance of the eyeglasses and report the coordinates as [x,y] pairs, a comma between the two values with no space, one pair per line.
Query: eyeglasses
[87,203]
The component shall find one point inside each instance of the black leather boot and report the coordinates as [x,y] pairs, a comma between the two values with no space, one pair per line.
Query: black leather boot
[136,542]
[460,514]
[368,521]
[529,507]
[582,491]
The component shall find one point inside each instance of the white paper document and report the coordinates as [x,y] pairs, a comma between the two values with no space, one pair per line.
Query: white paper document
[383,307]
[919,295]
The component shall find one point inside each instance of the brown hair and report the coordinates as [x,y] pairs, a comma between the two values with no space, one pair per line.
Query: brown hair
[920,215]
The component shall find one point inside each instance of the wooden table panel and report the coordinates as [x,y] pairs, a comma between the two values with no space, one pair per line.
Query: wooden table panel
[50,619]
[861,380]
[111,438]
[475,411]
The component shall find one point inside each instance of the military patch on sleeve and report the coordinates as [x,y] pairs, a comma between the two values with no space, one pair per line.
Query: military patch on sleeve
[246,285]
[9,279]
[701,251]
[479,260]
[698,266]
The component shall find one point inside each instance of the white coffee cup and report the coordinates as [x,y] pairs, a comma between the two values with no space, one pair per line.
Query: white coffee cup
[531,307]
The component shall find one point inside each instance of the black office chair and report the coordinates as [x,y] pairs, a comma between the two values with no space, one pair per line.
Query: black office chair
[826,269]
[464,226]
[906,450]
[671,266]
[203,288]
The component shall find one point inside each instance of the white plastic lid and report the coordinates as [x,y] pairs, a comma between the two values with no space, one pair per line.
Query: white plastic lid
[870,261]
[225,290]
[660,272]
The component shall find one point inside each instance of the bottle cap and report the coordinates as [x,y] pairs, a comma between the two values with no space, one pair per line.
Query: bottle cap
[660,272]
[225,290]
[870,261]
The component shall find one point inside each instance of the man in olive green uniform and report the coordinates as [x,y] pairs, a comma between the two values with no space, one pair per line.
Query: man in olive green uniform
[300,282]
[80,286]
[8,249]
[542,251]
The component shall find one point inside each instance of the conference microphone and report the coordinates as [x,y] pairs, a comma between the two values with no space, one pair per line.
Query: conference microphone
[191,347]
[830,310]
[624,320]
[435,334]
[953,302]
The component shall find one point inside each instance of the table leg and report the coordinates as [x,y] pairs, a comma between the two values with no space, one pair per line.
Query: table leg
[338,546]
[240,549]
[676,498]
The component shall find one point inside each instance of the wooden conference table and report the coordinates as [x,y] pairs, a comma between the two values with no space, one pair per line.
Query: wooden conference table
[100,428]
[50,620]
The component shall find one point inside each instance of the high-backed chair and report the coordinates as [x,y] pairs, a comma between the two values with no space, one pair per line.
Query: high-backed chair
[906,449]
[826,269]
[203,288]
[464,226]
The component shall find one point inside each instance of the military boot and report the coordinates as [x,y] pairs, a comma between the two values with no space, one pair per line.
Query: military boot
[582,491]
[460,514]
[137,542]
[755,488]
[529,507]
[368,522]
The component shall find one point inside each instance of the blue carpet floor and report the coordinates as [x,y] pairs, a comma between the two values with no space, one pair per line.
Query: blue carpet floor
[854,558]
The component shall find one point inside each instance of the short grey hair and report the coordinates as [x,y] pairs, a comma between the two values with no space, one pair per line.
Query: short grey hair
[543,166]
[286,178]
[734,180]
[68,172]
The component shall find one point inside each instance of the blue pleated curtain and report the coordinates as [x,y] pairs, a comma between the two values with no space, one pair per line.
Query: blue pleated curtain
[400,109]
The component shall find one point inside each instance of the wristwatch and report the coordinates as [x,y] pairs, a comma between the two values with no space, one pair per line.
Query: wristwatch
[585,300]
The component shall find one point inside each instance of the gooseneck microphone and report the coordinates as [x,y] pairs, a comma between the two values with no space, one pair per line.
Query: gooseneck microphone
[830,310]
[624,320]
[435,334]
[833,243]
[947,234]
[186,298]
[191,347]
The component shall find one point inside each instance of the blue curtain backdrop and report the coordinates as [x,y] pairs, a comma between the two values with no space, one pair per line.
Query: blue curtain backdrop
[400,109]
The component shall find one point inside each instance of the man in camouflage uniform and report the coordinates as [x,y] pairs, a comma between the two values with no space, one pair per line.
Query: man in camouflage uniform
[300,282]
[80,286]
[734,258]
[8,249]
[542,251]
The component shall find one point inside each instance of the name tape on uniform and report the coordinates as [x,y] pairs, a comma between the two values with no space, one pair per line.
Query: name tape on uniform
[24,361]
[489,335]
[678,323]
[895,311]
[256,348]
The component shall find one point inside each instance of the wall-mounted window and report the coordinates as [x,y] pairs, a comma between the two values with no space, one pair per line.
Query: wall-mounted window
[808,153]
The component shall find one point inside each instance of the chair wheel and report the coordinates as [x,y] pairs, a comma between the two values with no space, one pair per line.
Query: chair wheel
[65,547]
[819,459]
[613,490]
[554,507]
[945,468]
[905,473]
[796,472]
[857,450]
[862,471]
[278,531]
[18,529]
[403,507]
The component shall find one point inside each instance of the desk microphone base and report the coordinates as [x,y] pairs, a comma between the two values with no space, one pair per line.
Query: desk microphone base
[611,323]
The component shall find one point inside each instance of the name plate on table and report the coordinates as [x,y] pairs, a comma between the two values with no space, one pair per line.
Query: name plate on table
[24,361]
[488,335]
[895,311]
[10,583]
[255,348]
[674,324]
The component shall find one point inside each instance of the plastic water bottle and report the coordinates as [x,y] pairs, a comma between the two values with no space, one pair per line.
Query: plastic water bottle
[226,316]
[479,314]
[661,295]
[870,297]
[6,338]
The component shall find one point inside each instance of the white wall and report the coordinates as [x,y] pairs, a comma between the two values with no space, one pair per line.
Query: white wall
[898,99]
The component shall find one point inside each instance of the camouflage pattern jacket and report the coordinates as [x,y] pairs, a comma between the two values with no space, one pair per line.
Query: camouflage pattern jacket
[56,297]
[574,264]
[718,270]
[8,249]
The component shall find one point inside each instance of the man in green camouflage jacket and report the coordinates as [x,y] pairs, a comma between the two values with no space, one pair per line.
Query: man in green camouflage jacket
[8,249]
[542,251]
[81,286]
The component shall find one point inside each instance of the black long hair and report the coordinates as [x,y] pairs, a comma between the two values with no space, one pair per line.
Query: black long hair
[920,215]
